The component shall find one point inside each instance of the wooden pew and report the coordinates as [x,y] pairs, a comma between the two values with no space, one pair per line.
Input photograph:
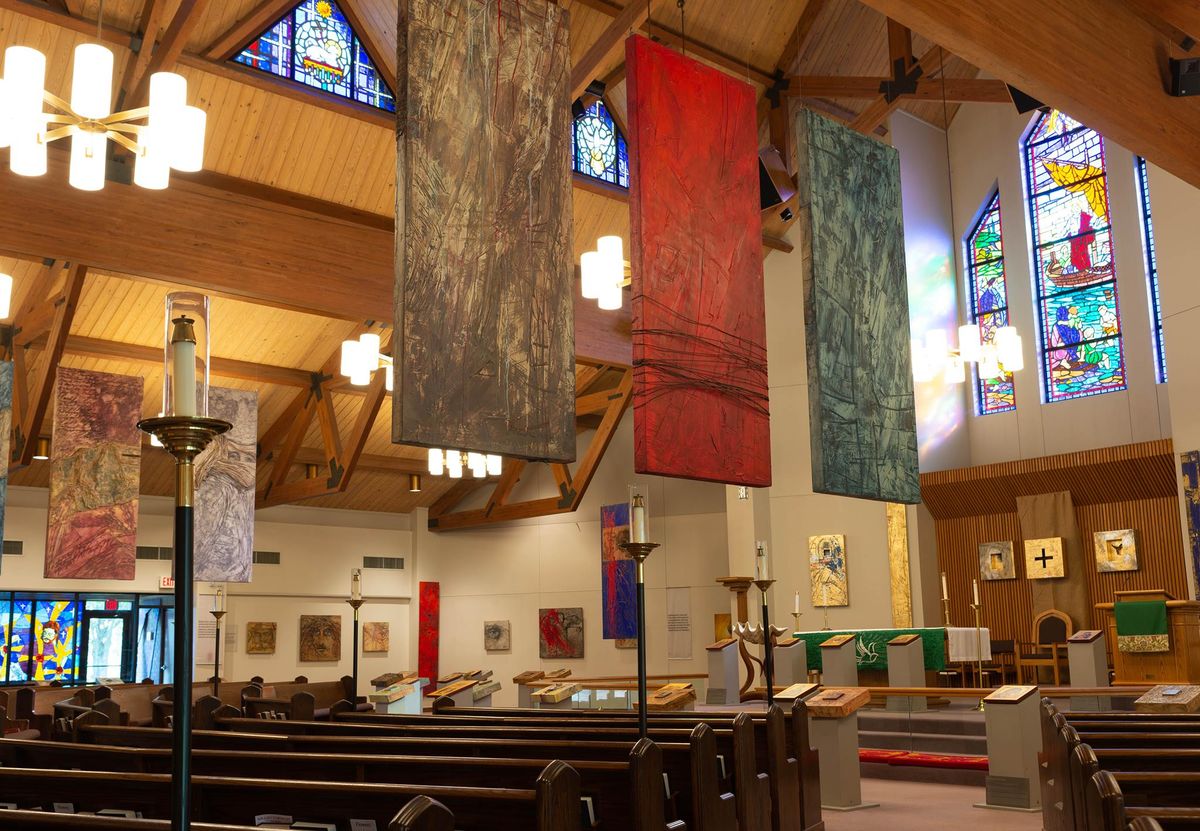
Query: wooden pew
[691,767]
[37,820]
[1109,795]
[609,784]
[552,805]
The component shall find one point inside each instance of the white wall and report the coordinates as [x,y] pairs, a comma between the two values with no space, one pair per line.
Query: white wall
[509,572]
[318,548]
[985,152]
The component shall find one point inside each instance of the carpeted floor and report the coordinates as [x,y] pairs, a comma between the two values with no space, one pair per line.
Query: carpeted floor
[909,806]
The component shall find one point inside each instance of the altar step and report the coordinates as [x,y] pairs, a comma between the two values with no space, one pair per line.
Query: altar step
[954,732]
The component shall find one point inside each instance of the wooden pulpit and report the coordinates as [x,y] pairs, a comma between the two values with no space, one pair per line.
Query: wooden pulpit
[1179,665]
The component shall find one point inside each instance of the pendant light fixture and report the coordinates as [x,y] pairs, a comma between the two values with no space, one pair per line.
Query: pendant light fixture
[361,358]
[602,273]
[171,137]
[453,462]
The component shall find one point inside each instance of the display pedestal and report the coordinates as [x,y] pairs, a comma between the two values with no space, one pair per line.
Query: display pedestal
[1087,659]
[791,662]
[481,695]
[525,686]
[722,672]
[555,696]
[833,722]
[1014,739]
[839,662]
[906,668]
[402,698]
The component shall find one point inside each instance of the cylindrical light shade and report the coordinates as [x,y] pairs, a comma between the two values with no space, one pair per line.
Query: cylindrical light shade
[968,342]
[591,270]
[349,357]
[6,286]
[187,141]
[152,169]
[168,95]
[495,464]
[989,365]
[27,153]
[436,464]
[185,357]
[87,160]
[955,372]
[922,368]
[41,448]
[91,81]
[477,464]
[312,471]
[360,376]
[611,297]
[937,345]
[5,123]
[368,351]
[25,78]
[612,250]
[414,483]
[1008,345]
[389,382]
[1014,361]
[454,464]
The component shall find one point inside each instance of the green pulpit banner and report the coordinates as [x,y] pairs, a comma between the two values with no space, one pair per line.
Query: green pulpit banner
[1142,626]
[871,646]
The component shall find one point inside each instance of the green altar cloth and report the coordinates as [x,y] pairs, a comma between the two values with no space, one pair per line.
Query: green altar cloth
[871,646]
[1142,626]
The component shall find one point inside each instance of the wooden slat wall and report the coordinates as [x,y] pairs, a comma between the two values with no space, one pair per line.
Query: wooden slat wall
[1007,604]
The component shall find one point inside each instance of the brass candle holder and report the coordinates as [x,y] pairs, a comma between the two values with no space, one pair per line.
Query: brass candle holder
[216,679]
[978,609]
[796,621]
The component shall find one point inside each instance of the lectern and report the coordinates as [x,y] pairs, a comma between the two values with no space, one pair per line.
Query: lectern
[1180,664]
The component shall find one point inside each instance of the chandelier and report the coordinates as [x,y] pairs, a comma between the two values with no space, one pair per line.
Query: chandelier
[997,356]
[602,273]
[452,463]
[360,358]
[171,137]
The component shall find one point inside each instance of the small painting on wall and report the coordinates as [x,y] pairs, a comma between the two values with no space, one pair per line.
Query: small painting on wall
[260,638]
[497,635]
[560,633]
[827,570]
[996,561]
[1116,550]
[1044,559]
[626,643]
[320,638]
[376,637]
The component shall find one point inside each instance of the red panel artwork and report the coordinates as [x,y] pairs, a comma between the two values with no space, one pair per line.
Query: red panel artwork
[428,629]
[699,334]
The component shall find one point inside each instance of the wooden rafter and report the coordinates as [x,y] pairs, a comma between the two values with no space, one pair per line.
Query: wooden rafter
[929,65]
[169,49]
[250,25]
[571,486]
[1179,19]
[631,17]
[32,391]
[154,13]
[383,58]
[957,90]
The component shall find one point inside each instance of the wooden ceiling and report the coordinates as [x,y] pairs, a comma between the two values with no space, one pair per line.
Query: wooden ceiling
[302,150]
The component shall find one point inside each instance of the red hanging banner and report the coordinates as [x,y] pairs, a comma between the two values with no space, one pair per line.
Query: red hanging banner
[699,331]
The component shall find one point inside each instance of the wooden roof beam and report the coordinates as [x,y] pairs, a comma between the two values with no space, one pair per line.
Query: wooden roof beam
[929,65]
[631,17]
[249,26]
[957,90]
[1180,19]
[154,12]
[384,59]
[169,49]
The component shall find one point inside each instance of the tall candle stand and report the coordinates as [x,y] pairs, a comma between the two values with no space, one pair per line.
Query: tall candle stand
[977,607]
[355,604]
[796,621]
[184,437]
[825,611]
[946,610]
[216,679]
[768,642]
[640,551]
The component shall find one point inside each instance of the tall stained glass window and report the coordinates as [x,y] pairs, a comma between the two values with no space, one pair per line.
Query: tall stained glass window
[989,302]
[597,147]
[1156,321]
[314,45]
[1074,273]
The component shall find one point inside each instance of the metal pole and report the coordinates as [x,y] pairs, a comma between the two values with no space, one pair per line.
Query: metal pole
[354,665]
[216,679]
[181,720]
[643,697]
[769,655]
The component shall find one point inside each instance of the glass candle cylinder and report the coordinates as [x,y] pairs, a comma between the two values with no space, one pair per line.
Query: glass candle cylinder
[356,584]
[639,515]
[185,357]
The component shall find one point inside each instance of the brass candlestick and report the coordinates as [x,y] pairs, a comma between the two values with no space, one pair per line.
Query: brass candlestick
[946,610]
[768,643]
[796,621]
[184,437]
[978,608]
[216,679]
[355,604]
[640,551]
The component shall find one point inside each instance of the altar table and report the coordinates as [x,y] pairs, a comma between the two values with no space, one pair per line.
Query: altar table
[871,645]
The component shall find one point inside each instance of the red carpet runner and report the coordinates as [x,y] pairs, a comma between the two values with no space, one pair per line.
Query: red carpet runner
[923,760]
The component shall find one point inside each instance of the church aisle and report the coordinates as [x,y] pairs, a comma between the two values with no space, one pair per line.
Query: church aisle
[908,806]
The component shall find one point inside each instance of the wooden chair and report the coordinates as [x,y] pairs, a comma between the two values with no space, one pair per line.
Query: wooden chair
[1004,660]
[1050,632]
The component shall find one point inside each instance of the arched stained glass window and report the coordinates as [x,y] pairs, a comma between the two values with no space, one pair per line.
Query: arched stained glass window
[598,149]
[314,45]
[1074,273]
[989,302]
[1156,321]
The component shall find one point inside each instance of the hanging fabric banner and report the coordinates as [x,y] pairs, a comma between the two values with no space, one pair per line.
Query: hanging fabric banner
[484,313]
[699,333]
[6,382]
[91,531]
[225,479]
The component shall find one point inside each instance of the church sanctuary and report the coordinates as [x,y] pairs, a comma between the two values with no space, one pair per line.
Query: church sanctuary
[599,415]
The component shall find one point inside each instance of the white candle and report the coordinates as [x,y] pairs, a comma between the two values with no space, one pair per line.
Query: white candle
[184,389]
[217,598]
[796,608]
[762,558]
[758,568]
[638,532]
[945,591]
[975,590]
[356,584]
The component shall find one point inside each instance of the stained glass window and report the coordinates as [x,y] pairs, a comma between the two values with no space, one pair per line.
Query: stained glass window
[1156,321]
[314,45]
[1075,277]
[989,302]
[597,147]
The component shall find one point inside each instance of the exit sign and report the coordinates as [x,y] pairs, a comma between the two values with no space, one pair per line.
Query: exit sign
[166,582]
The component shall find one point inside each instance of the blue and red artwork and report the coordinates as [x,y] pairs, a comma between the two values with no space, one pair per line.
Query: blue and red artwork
[560,633]
[618,574]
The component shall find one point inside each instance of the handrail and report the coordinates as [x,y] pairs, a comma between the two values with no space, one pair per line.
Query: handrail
[631,679]
[979,692]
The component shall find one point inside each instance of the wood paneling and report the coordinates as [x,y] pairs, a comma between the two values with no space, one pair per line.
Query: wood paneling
[1139,504]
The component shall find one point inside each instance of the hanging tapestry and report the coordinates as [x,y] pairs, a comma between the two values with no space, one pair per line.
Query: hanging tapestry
[700,408]
[225,478]
[860,390]
[618,574]
[429,605]
[1190,466]
[484,279]
[92,527]
[6,379]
